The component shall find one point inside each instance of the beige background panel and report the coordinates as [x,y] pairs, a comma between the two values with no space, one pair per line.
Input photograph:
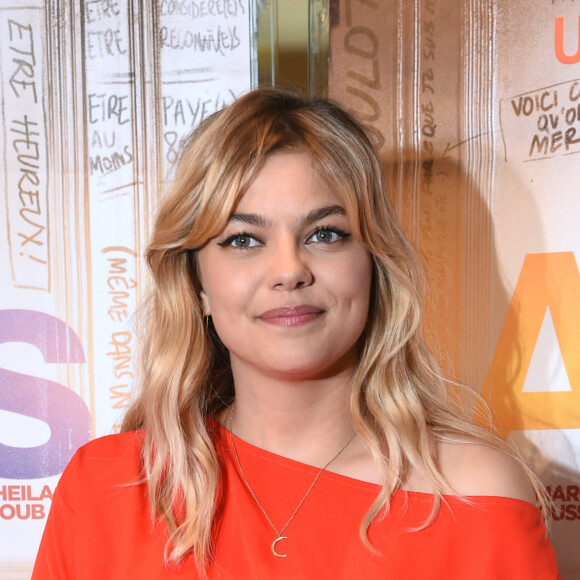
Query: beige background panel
[396,66]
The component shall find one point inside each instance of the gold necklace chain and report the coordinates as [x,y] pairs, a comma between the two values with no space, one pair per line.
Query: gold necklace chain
[281,531]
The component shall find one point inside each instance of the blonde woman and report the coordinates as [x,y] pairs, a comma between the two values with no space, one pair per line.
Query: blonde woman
[290,421]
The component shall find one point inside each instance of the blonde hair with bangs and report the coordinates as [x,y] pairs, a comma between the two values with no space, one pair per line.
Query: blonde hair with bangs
[400,404]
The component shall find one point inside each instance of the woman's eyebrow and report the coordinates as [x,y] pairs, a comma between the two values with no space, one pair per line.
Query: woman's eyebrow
[255,219]
[252,219]
[321,213]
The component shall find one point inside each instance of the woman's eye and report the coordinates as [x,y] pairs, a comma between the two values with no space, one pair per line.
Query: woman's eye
[327,236]
[240,241]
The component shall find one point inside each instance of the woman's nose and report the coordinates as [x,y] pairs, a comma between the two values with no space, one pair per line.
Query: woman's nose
[289,269]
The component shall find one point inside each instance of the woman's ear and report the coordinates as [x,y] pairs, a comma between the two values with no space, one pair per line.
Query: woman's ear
[205,303]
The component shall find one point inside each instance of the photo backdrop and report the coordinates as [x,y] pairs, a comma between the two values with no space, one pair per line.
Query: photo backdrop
[96,96]
[475,106]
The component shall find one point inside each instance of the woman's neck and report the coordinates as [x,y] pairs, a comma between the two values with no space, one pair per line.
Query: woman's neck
[305,420]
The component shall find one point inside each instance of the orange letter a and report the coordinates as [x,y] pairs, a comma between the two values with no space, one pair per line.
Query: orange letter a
[546,281]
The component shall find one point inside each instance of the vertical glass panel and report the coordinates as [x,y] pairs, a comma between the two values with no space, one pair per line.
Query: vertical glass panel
[292,41]
[266,42]
[318,34]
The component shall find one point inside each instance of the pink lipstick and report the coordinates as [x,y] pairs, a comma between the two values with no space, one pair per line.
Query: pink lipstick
[291,315]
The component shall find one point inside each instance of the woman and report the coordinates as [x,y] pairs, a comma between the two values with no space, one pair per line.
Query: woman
[290,421]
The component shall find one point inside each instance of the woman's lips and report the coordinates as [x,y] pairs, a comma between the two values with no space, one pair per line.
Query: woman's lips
[291,315]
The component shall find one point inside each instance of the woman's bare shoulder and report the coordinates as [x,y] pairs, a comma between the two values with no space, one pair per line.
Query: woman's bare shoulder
[473,468]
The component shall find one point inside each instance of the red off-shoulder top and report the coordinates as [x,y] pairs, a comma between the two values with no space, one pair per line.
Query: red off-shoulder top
[100,526]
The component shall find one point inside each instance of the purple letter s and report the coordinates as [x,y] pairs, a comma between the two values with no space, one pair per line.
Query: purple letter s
[65,412]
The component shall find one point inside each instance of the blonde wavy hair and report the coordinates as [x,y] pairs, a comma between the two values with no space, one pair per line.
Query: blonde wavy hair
[400,404]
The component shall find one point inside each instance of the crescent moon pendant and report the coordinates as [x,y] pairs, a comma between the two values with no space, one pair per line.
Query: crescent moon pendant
[273,546]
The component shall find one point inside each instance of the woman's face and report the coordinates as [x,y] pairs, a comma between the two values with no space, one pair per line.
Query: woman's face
[286,283]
